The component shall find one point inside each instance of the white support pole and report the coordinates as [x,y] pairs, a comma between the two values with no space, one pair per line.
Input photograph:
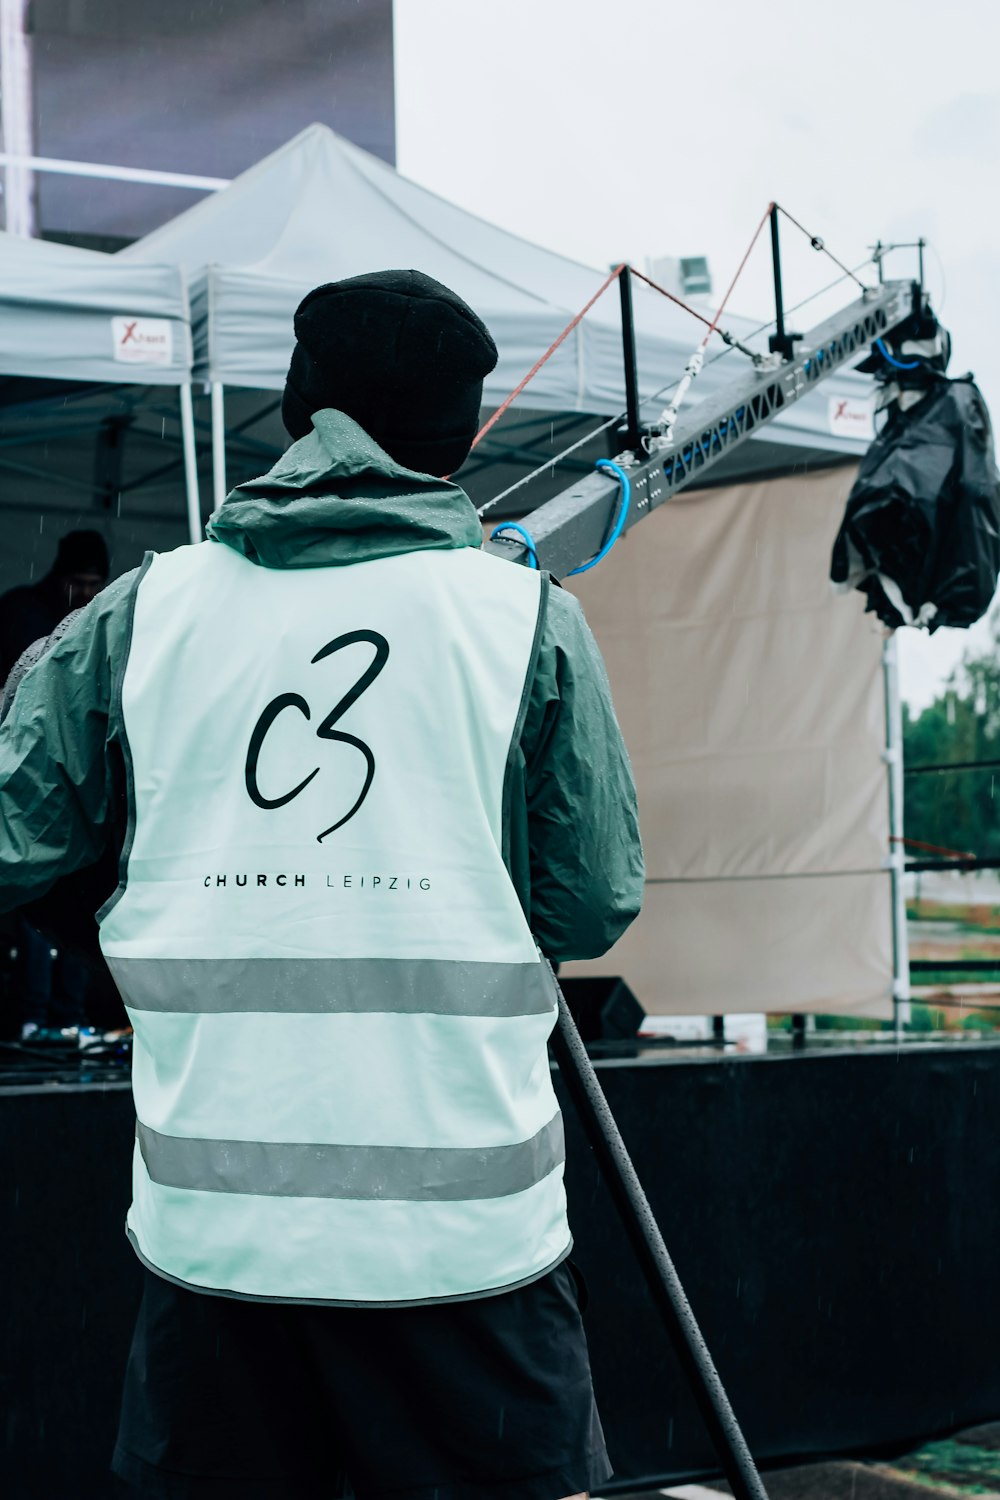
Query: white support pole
[190,465]
[897,853]
[17,116]
[219,490]
[103,170]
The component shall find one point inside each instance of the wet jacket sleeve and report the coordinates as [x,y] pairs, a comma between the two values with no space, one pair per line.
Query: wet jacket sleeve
[57,753]
[575,852]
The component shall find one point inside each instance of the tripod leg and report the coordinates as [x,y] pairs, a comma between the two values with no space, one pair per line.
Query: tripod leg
[647,1242]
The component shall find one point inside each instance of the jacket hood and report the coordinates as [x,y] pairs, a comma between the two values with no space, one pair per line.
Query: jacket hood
[336,497]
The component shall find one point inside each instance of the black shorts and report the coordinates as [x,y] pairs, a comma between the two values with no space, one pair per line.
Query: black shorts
[482,1400]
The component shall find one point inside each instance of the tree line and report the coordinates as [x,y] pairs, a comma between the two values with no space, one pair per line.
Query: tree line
[957,810]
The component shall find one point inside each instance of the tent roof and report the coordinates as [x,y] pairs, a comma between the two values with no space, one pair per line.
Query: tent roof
[71,314]
[320,209]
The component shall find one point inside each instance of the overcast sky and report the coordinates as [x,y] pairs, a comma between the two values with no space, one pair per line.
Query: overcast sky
[620,130]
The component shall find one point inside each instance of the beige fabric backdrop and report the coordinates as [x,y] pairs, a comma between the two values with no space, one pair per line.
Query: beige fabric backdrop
[750,697]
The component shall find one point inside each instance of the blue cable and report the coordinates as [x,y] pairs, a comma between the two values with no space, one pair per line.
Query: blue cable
[616,530]
[897,364]
[524,535]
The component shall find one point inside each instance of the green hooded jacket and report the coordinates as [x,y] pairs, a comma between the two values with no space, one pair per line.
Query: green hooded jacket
[571,840]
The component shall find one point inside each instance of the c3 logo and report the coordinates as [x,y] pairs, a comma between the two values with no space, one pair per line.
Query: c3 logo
[324,731]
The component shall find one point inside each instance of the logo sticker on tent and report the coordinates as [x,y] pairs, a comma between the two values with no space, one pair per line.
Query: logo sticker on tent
[143,341]
[850,417]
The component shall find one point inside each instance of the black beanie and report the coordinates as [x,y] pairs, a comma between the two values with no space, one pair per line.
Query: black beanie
[81,552]
[400,354]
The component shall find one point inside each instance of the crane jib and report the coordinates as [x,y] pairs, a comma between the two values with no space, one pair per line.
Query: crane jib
[572,527]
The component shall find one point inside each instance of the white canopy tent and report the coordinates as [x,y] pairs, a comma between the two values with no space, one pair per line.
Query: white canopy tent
[320,209]
[79,316]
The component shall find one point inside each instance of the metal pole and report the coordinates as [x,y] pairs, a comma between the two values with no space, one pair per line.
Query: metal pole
[190,465]
[633,435]
[17,116]
[107,172]
[219,490]
[647,1242]
[779,342]
[897,850]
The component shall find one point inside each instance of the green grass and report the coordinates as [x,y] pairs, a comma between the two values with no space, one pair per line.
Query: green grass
[980,918]
[968,1468]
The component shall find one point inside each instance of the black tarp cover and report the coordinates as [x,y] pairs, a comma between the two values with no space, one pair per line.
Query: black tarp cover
[921,534]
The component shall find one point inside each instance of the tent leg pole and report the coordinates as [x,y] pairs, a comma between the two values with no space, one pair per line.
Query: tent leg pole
[190,465]
[219,491]
[897,854]
[647,1242]
[17,117]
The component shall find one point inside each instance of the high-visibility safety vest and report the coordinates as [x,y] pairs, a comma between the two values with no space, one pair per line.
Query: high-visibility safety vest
[340,1069]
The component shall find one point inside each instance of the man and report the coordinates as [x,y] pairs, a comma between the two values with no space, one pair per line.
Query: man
[368,768]
[33,610]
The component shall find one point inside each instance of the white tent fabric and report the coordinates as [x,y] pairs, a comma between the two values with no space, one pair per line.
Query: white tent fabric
[751,699]
[70,314]
[320,209]
[82,316]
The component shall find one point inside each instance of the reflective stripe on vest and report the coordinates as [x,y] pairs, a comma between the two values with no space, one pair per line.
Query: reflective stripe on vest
[341,1018]
[290,1169]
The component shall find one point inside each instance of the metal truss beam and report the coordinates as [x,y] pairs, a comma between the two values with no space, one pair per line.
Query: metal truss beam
[572,527]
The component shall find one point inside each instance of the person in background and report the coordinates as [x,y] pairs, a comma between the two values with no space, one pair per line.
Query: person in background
[33,610]
[51,984]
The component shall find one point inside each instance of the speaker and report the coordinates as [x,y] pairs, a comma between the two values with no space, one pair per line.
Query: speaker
[604,1008]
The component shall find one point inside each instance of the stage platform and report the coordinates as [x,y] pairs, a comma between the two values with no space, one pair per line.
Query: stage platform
[833,1212]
